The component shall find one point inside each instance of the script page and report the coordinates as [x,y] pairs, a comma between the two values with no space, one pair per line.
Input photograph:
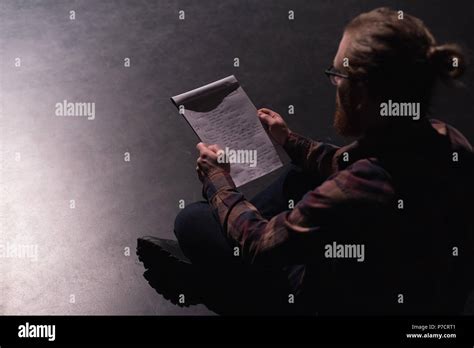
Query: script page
[221,113]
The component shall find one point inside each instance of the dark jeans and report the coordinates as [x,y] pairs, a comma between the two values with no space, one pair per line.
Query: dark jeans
[240,288]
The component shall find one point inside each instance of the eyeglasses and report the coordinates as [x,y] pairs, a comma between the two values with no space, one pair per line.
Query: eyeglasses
[334,74]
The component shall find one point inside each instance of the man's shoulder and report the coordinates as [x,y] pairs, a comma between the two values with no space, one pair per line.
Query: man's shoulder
[365,179]
[454,136]
[369,168]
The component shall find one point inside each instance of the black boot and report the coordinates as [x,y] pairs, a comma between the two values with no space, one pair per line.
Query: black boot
[168,270]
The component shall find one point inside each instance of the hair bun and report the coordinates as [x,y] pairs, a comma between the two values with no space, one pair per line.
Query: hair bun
[447,60]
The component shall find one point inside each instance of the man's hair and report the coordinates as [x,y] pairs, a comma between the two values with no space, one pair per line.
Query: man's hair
[399,57]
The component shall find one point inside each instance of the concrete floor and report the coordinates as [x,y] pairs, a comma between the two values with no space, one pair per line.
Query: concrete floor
[46,161]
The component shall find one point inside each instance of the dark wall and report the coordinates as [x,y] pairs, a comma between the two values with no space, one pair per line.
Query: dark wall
[81,249]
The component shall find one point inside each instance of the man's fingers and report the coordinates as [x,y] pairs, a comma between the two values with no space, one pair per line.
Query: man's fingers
[204,150]
[266,111]
[266,119]
[215,148]
[207,149]
[201,146]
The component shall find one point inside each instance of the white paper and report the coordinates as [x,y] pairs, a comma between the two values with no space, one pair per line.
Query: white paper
[221,113]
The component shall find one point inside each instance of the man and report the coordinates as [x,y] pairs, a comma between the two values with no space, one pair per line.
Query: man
[381,226]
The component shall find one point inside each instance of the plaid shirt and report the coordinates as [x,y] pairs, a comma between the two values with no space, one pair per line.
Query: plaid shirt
[354,179]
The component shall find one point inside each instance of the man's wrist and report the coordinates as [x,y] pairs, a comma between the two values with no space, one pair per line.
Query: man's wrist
[215,181]
[290,141]
[287,138]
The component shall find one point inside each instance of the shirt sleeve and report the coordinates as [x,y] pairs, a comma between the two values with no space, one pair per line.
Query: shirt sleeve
[312,156]
[291,236]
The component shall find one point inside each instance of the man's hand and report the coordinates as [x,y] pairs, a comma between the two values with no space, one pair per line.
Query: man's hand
[207,163]
[276,125]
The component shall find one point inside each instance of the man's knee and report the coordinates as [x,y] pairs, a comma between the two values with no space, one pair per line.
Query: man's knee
[188,219]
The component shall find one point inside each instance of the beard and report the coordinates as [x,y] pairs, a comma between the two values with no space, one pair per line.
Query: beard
[347,121]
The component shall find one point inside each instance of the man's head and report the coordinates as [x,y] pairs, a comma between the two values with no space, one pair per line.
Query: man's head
[387,55]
